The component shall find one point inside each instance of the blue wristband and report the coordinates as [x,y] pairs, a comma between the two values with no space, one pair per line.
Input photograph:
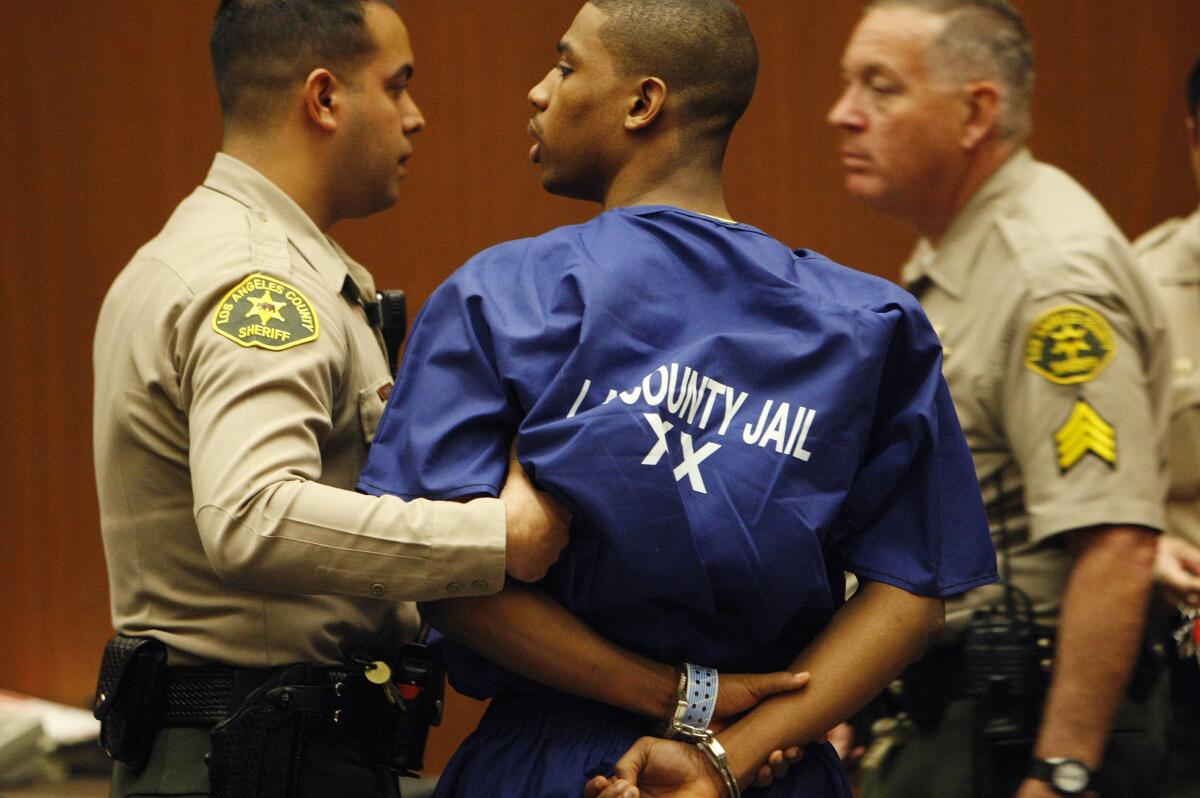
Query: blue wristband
[702,684]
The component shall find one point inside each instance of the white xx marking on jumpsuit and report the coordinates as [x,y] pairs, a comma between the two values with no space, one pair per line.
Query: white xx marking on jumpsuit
[661,428]
[690,467]
[692,460]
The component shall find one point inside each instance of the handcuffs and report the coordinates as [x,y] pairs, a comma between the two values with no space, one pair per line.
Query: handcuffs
[695,703]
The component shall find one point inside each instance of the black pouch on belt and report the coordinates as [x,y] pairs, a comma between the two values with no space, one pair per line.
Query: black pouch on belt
[256,751]
[421,683]
[129,698]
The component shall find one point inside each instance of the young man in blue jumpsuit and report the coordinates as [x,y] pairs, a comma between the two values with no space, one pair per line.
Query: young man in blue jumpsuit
[733,425]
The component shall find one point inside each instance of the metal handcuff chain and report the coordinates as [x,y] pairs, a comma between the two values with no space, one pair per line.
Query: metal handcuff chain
[695,704]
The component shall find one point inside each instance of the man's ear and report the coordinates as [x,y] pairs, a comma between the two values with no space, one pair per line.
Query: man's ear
[1193,134]
[647,104]
[322,96]
[984,102]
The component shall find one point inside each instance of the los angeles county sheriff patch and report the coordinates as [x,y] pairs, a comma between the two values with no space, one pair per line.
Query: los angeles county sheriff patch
[267,313]
[1070,344]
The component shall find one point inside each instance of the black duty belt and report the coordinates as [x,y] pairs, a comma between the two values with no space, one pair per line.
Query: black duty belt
[208,694]
[385,713]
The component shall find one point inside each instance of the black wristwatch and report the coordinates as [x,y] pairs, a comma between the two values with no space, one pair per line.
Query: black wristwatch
[1066,776]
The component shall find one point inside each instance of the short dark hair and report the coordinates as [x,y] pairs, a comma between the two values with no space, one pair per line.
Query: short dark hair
[1193,93]
[983,39]
[702,49]
[260,48]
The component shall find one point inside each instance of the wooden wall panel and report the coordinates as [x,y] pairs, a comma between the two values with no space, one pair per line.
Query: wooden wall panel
[103,131]
[108,118]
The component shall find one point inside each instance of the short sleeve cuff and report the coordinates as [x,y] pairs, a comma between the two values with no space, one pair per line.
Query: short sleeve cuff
[926,589]
[1131,512]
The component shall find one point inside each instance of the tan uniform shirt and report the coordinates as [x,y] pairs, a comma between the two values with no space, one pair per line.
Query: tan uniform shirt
[238,385]
[1171,253]
[1055,355]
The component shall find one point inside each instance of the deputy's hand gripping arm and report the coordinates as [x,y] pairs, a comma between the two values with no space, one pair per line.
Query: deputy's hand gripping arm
[537,526]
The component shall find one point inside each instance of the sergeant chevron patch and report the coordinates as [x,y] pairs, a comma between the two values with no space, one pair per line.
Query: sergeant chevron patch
[1085,431]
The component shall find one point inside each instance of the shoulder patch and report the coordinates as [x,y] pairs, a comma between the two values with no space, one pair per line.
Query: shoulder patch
[265,312]
[1070,344]
[1085,432]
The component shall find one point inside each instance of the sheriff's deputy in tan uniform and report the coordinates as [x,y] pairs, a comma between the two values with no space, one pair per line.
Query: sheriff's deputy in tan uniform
[239,380]
[1171,254]
[1054,352]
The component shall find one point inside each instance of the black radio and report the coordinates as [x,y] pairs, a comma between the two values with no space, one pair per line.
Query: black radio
[1006,660]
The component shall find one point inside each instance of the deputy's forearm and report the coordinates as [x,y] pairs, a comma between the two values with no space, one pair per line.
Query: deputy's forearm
[1100,629]
[528,633]
[867,644]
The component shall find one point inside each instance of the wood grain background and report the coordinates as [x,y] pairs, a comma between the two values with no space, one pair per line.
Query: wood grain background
[108,118]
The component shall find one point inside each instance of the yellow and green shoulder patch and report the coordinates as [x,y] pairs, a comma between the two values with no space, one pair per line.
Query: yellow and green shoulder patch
[267,313]
[1070,344]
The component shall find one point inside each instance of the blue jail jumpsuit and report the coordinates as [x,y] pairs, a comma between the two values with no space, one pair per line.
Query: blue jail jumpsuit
[733,425]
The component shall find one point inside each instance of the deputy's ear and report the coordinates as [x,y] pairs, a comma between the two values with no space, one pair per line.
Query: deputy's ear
[984,102]
[1193,134]
[322,96]
[647,104]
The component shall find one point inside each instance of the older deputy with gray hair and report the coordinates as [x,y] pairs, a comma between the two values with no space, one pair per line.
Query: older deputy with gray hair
[1055,356]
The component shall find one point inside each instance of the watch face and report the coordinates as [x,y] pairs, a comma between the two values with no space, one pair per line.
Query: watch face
[1070,777]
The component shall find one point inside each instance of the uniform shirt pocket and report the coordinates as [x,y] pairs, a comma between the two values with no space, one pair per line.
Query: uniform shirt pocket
[371,402]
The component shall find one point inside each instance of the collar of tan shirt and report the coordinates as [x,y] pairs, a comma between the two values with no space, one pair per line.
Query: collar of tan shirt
[949,265]
[251,188]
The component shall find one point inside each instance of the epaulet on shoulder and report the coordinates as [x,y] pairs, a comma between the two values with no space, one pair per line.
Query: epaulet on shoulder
[1157,236]
[268,244]
[1030,247]
[263,241]
[206,245]
[201,222]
